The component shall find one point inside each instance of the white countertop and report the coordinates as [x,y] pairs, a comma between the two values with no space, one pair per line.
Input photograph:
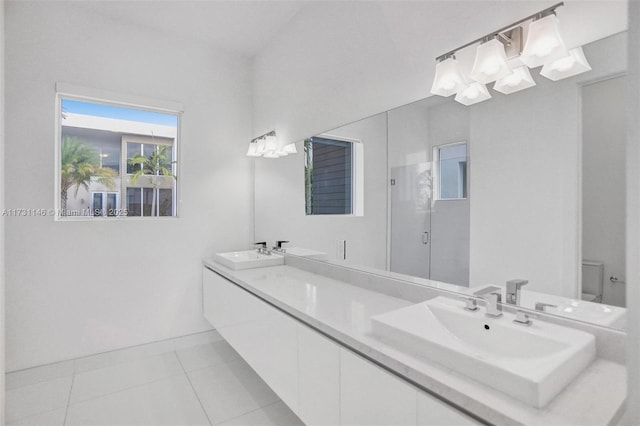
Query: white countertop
[343,311]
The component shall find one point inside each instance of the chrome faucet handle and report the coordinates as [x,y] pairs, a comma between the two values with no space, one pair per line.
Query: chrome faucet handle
[471,304]
[522,318]
[262,246]
[278,246]
[493,305]
[513,291]
[542,306]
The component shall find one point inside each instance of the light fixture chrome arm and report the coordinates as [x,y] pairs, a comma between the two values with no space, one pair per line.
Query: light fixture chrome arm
[495,33]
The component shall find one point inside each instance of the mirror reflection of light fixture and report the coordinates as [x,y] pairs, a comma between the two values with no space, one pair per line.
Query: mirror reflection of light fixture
[490,63]
[472,94]
[290,149]
[544,43]
[448,79]
[267,146]
[573,64]
[519,79]
[544,46]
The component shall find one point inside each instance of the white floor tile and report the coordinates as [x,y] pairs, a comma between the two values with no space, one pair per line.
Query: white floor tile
[207,355]
[108,359]
[38,398]
[230,390]
[197,339]
[166,402]
[49,418]
[103,381]
[277,414]
[35,375]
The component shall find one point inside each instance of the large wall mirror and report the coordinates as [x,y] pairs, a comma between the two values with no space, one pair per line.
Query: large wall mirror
[524,186]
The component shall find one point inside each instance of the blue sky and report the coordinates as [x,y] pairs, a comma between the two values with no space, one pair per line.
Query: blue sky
[109,111]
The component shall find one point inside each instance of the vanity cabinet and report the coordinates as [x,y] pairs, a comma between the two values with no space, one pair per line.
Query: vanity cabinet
[320,380]
[265,337]
[372,396]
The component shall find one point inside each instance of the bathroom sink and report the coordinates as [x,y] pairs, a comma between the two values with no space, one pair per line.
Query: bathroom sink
[248,259]
[531,363]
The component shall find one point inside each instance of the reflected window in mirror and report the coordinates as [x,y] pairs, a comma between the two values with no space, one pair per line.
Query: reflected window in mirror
[332,176]
[451,171]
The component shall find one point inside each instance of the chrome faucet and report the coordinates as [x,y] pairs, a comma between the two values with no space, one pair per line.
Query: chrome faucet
[493,297]
[262,247]
[542,306]
[513,291]
[278,247]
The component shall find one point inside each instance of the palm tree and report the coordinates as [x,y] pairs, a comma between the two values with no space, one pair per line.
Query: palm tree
[308,175]
[80,162]
[156,164]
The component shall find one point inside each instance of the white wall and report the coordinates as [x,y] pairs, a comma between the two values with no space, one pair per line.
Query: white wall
[2,318]
[525,169]
[632,416]
[280,202]
[77,288]
[604,143]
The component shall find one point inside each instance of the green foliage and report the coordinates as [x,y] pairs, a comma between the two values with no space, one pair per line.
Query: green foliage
[156,164]
[79,162]
[308,175]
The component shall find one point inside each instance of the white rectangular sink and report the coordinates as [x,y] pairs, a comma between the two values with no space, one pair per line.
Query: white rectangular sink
[248,259]
[531,363]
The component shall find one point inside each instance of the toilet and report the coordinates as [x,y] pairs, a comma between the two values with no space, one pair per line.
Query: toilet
[592,281]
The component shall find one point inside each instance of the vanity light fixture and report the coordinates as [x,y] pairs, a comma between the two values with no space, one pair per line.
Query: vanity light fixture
[448,78]
[473,93]
[499,50]
[490,63]
[519,79]
[573,64]
[267,146]
[544,43]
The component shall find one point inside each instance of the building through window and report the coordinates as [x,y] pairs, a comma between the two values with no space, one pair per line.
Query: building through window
[116,161]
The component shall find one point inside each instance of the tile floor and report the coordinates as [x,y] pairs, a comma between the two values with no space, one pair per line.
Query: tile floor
[192,380]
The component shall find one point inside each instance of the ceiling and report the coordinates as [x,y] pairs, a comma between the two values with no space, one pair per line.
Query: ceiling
[248,26]
[243,27]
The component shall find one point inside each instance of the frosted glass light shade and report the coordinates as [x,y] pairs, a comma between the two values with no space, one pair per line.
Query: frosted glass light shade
[271,154]
[253,150]
[490,63]
[544,44]
[518,79]
[290,149]
[472,94]
[573,64]
[271,144]
[261,149]
[448,79]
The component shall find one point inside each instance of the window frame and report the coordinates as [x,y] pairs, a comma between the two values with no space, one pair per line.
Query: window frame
[357,176]
[106,97]
[436,171]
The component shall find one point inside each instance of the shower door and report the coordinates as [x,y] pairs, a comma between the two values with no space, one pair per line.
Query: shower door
[410,235]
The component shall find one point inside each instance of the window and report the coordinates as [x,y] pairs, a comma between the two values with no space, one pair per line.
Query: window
[333,176]
[451,171]
[115,160]
[104,203]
